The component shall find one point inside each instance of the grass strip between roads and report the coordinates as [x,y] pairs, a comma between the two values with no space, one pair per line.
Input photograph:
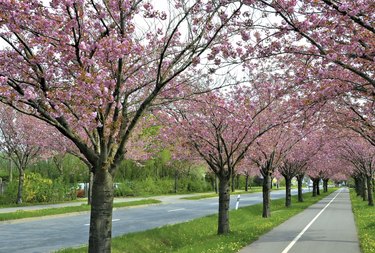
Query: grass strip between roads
[69,209]
[212,195]
[365,221]
[199,235]
[83,200]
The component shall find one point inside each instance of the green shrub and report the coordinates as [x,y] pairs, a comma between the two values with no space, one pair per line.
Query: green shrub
[124,189]
[37,189]
[10,193]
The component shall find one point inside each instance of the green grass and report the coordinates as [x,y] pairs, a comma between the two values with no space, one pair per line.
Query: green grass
[212,195]
[69,209]
[365,221]
[41,203]
[199,235]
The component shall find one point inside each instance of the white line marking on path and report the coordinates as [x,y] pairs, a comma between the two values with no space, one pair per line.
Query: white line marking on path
[88,224]
[291,244]
[175,210]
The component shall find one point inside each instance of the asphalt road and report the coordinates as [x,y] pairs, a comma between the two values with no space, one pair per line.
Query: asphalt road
[52,233]
[325,227]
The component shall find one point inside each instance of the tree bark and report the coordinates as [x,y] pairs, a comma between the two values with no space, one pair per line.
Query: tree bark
[216,185]
[358,186]
[315,190]
[300,195]
[325,185]
[91,182]
[364,189]
[288,194]
[224,198]
[370,191]
[266,195]
[21,178]
[101,212]
[317,186]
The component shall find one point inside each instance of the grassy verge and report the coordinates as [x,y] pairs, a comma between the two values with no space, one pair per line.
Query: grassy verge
[365,221]
[199,235]
[211,195]
[69,209]
[41,203]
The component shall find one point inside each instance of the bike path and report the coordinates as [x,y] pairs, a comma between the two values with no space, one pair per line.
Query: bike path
[325,227]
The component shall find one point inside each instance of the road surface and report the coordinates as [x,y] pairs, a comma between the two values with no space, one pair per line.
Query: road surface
[325,227]
[52,233]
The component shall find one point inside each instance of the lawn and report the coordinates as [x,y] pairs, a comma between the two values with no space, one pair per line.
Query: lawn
[365,221]
[199,235]
[213,194]
[70,209]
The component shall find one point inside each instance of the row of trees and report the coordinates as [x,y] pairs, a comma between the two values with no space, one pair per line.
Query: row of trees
[94,69]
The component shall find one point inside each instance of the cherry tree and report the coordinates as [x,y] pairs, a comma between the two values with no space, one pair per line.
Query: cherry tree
[220,128]
[361,155]
[357,114]
[92,68]
[248,169]
[269,153]
[325,163]
[332,43]
[303,153]
[295,159]
[24,139]
[336,39]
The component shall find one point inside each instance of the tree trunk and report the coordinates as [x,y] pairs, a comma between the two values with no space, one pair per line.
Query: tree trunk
[315,190]
[21,178]
[370,191]
[266,195]
[358,186]
[238,181]
[299,180]
[89,192]
[224,198]
[288,194]
[317,186]
[247,183]
[101,212]
[325,185]
[216,185]
[364,189]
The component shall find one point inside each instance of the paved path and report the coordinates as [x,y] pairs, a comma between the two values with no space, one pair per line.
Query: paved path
[325,227]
